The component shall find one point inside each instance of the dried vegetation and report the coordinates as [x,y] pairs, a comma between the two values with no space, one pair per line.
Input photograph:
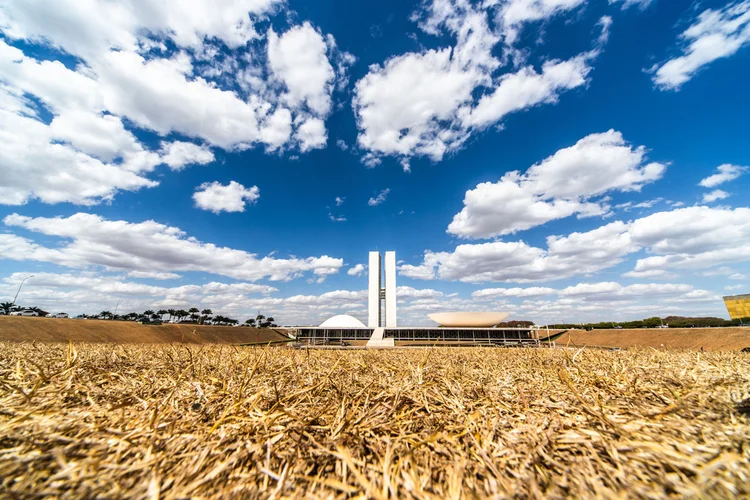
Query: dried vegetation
[177,421]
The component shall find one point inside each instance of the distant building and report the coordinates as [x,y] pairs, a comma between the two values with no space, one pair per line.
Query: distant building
[738,306]
[382,330]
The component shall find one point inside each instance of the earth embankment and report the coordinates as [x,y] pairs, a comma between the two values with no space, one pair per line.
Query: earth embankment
[709,339]
[29,329]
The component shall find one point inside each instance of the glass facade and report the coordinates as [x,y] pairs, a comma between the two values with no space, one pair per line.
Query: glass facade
[479,336]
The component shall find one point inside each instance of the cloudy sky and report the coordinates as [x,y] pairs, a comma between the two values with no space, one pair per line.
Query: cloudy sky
[564,160]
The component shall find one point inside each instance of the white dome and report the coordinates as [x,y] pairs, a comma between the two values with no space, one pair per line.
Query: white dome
[342,321]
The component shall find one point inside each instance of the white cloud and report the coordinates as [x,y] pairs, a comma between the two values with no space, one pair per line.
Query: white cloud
[628,206]
[428,103]
[693,238]
[651,273]
[687,238]
[220,82]
[178,154]
[380,198]
[715,34]
[91,293]
[726,173]
[527,88]
[356,270]
[615,291]
[609,291]
[336,218]
[562,185]
[534,291]
[154,275]
[298,59]
[733,288]
[626,4]
[716,194]
[87,29]
[311,134]
[518,262]
[217,198]
[90,241]
[513,14]
[340,201]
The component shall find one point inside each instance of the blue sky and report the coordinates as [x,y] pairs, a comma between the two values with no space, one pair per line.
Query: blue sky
[564,160]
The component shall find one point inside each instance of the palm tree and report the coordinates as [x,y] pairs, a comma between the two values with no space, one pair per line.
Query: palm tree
[180,313]
[148,313]
[7,307]
[171,313]
[250,322]
[161,313]
[105,315]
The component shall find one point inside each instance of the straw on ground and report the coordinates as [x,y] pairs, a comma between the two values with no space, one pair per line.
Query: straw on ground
[176,421]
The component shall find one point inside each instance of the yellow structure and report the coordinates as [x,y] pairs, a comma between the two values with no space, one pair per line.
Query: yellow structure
[738,306]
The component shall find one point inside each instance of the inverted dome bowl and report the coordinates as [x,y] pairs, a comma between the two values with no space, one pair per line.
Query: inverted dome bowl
[468,319]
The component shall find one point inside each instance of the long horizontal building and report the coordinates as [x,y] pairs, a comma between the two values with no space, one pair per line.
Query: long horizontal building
[454,328]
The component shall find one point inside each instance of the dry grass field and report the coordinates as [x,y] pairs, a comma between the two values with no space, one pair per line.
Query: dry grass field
[709,339]
[179,421]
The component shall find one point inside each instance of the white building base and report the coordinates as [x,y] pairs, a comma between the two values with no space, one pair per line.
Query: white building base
[377,340]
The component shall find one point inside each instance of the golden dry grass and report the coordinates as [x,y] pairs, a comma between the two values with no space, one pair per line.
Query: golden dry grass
[177,421]
[709,339]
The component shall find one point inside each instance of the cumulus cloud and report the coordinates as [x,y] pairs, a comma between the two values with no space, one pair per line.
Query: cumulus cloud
[716,194]
[298,59]
[92,293]
[87,32]
[178,154]
[88,292]
[512,15]
[202,71]
[725,173]
[428,103]
[90,241]
[233,197]
[571,181]
[519,262]
[356,270]
[693,238]
[686,238]
[339,201]
[380,198]
[715,34]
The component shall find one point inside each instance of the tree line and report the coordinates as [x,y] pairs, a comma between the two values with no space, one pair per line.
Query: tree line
[192,315]
[657,322]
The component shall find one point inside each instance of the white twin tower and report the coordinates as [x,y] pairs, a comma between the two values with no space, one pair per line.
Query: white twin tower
[376,293]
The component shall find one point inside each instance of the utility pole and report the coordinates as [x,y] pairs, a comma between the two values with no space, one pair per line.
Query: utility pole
[19,288]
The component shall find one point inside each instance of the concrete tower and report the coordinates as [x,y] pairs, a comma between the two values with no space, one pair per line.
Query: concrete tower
[390,289]
[373,290]
[376,293]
